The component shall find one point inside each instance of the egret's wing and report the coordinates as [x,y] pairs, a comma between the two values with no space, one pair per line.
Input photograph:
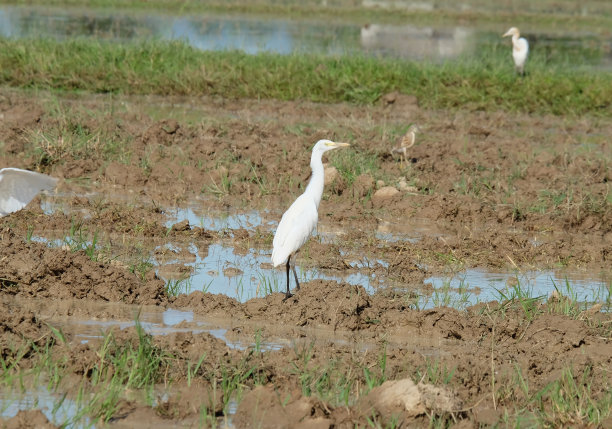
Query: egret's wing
[18,187]
[295,227]
[520,51]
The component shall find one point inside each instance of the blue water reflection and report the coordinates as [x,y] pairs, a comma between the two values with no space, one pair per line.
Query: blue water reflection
[284,36]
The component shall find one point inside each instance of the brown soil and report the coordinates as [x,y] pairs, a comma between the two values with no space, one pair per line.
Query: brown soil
[496,189]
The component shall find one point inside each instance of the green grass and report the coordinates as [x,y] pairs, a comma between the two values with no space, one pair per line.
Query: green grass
[121,367]
[434,372]
[78,239]
[521,297]
[485,81]
[74,136]
[351,163]
[568,401]
[176,287]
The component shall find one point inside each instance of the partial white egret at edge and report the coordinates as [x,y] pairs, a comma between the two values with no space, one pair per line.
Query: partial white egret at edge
[301,218]
[520,49]
[18,187]
[406,142]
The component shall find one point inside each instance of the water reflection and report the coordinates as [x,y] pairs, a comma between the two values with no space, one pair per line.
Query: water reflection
[169,321]
[214,220]
[202,32]
[57,408]
[478,285]
[407,41]
[248,36]
[254,35]
[250,275]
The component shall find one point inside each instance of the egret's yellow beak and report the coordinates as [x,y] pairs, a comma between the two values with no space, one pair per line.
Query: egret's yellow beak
[337,144]
[508,33]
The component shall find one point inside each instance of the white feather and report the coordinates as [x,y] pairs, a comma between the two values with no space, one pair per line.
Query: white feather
[18,187]
[520,49]
[294,229]
[301,218]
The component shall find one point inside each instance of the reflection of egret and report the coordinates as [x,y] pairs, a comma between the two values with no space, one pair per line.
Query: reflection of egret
[406,143]
[409,41]
[301,218]
[520,49]
[18,187]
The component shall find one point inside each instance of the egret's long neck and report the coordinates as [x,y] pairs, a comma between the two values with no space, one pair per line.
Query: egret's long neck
[515,38]
[315,186]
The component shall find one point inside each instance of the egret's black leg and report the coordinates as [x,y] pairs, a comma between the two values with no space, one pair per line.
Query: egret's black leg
[287,295]
[295,275]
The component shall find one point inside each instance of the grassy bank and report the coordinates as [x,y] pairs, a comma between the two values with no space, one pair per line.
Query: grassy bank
[483,81]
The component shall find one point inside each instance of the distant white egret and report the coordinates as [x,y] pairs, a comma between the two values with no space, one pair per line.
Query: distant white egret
[18,187]
[406,142]
[520,49]
[300,219]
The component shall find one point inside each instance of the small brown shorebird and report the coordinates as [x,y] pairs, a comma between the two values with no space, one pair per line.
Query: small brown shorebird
[406,142]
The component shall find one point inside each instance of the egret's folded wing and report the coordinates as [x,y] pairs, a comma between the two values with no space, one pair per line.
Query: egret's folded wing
[18,187]
[294,228]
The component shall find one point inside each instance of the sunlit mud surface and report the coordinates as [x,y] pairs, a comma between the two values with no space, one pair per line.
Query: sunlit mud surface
[483,262]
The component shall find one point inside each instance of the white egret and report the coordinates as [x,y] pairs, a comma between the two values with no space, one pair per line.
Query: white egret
[300,219]
[520,49]
[406,142]
[18,187]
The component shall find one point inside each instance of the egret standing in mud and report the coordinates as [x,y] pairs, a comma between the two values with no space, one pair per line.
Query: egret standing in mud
[406,143]
[18,187]
[300,219]
[520,49]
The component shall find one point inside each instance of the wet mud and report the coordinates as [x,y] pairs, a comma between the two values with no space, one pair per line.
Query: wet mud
[497,190]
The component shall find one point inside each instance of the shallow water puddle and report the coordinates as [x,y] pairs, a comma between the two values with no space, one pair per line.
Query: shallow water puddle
[246,274]
[59,410]
[153,322]
[251,275]
[214,220]
[248,34]
[157,323]
[476,285]
[284,36]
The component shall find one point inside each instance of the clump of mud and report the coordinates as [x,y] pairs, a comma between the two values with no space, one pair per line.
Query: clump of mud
[20,332]
[31,419]
[31,269]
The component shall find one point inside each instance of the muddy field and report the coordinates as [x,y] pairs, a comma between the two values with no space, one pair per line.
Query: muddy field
[487,190]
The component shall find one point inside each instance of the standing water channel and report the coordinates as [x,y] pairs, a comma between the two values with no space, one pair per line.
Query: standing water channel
[220,268]
[286,36]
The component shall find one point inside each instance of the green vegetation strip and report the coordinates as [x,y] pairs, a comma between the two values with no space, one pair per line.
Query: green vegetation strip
[483,81]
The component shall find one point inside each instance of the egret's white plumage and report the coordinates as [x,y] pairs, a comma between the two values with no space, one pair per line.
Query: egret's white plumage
[520,49]
[18,187]
[301,218]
